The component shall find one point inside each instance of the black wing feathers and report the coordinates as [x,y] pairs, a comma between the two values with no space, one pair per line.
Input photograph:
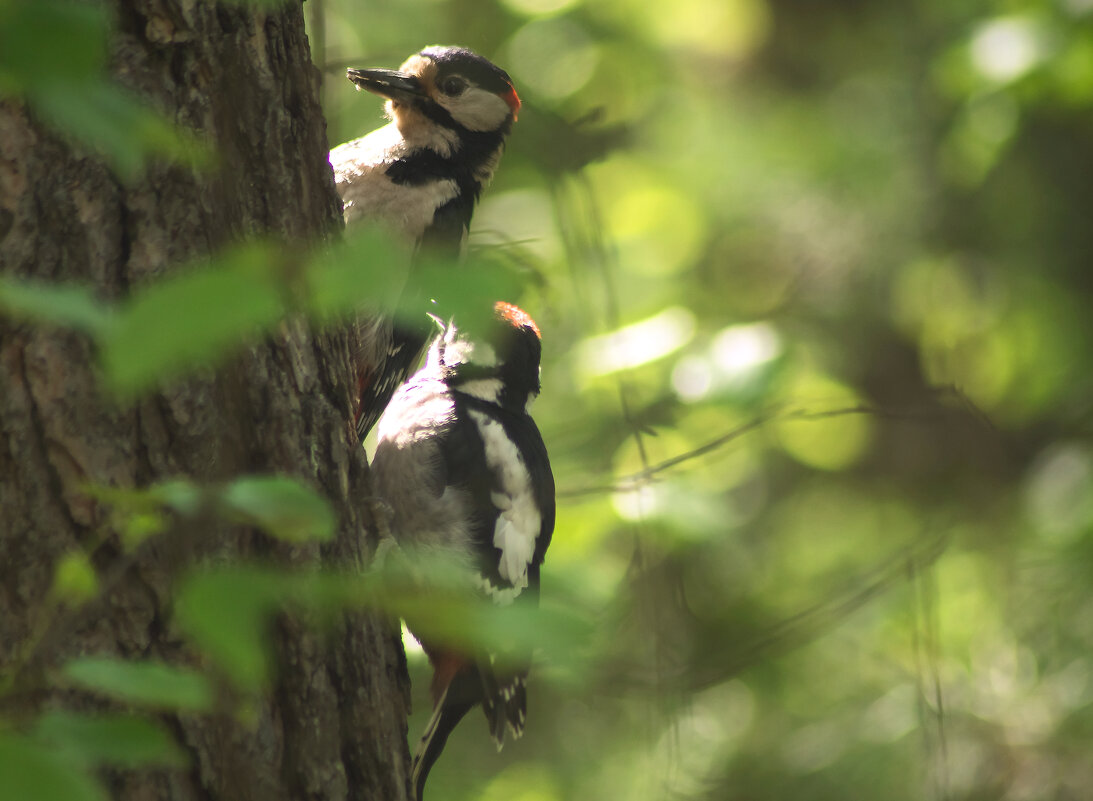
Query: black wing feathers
[450,224]
[407,343]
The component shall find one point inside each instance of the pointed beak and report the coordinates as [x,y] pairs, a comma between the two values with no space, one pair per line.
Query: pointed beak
[392,84]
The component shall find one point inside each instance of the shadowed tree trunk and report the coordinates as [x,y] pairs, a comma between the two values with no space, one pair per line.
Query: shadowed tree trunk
[242,79]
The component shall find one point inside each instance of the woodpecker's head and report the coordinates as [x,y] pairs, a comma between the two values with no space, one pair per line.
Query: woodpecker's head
[443,96]
[496,360]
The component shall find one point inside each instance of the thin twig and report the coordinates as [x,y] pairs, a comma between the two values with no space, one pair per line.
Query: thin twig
[633,481]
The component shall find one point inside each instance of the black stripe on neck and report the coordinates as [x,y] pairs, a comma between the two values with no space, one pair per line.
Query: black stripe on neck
[473,150]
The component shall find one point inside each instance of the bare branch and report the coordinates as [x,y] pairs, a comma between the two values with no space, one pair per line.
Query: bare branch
[642,477]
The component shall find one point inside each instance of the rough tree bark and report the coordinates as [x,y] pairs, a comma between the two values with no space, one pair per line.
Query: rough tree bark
[242,78]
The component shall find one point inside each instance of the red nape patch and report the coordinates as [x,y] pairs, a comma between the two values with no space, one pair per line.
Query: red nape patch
[515,316]
[513,100]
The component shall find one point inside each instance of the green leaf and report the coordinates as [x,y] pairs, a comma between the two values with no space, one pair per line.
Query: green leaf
[139,513]
[74,578]
[66,305]
[44,41]
[450,611]
[466,290]
[282,507]
[363,270]
[180,495]
[146,683]
[114,122]
[194,319]
[226,613]
[474,624]
[33,773]
[53,53]
[139,526]
[124,740]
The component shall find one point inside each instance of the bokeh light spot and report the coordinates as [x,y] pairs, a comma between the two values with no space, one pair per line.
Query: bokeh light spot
[1059,491]
[637,344]
[658,228]
[1005,49]
[692,378]
[831,443]
[740,349]
[553,57]
[729,28]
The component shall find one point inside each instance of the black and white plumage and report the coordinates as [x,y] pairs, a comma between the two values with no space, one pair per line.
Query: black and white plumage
[420,177]
[463,469]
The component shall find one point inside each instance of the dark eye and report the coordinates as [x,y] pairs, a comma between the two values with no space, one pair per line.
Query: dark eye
[453,85]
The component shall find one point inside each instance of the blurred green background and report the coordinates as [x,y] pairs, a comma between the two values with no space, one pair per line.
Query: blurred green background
[847,245]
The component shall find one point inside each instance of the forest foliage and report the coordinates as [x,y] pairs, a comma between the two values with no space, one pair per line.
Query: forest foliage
[813,283]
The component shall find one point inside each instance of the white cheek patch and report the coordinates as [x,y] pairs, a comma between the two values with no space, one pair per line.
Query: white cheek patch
[458,350]
[477,109]
[519,521]
[483,355]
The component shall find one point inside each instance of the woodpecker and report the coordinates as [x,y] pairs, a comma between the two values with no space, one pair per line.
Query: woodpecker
[420,177]
[464,472]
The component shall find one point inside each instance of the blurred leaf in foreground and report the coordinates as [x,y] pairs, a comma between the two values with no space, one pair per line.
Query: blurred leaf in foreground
[53,55]
[152,684]
[115,123]
[122,740]
[362,270]
[67,305]
[281,506]
[74,578]
[34,773]
[195,318]
[228,612]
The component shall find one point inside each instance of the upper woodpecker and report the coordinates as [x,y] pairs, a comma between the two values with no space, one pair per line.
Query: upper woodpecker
[420,176]
[464,472]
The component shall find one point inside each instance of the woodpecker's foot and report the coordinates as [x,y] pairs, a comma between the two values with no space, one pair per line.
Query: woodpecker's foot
[386,550]
[382,514]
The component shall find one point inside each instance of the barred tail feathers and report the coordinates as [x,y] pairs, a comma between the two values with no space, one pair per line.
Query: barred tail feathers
[503,699]
[505,703]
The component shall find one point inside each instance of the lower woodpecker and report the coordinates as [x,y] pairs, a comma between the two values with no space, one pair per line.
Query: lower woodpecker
[464,472]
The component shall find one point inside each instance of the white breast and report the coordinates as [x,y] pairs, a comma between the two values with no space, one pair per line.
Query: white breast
[368,194]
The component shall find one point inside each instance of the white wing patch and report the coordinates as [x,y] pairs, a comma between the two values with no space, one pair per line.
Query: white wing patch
[502,596]
[519,521]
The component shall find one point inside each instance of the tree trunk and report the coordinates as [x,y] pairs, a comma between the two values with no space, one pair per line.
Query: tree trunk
[241,78]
